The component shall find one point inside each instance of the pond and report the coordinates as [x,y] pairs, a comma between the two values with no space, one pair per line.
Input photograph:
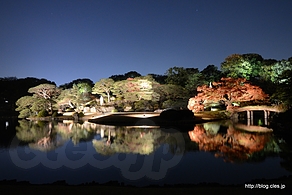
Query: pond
[77,153]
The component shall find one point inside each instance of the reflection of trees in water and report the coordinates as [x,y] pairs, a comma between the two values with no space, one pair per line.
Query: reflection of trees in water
[177,142]
[234,145]
[124,140]
[39,135]
[75,131]
[31,131]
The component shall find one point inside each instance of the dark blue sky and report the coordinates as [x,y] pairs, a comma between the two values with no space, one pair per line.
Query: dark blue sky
[62,40]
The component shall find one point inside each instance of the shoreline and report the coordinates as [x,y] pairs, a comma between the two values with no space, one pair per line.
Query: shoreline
[125,117]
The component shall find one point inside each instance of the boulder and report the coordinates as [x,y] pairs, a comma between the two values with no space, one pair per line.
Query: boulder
[172,114]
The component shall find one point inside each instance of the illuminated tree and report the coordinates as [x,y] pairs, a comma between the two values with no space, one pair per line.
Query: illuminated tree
[78,95]
[229,92]
[135,89]
[43,99]
[273,72]
[12,89]
[47,92]
[283,93]
[242,66]
[24,105]
[104,86]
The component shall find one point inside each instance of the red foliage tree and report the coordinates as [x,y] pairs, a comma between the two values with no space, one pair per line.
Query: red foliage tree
[228,91]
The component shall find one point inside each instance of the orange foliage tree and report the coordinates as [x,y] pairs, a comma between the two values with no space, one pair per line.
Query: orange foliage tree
[229,92]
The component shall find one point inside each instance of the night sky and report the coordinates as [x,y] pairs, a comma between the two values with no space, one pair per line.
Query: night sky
[63,40]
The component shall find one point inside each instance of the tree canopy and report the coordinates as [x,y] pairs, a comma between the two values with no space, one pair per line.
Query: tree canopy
[228,92]
[104,86]
[242,66]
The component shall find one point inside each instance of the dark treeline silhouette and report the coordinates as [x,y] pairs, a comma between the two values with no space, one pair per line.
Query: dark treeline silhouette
[12,89]
[76,81]
[120,77]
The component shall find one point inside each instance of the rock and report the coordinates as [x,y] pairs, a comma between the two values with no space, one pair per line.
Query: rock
[128,108]
[172,114]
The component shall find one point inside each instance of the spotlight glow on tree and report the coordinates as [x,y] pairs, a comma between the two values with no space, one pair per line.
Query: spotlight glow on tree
[228,91]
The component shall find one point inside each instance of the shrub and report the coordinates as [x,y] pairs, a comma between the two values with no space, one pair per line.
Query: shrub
[55,114]
[175,104]
[148,105]
[69,110]
[24,113]
[43,113]
[80,114]
[114,110]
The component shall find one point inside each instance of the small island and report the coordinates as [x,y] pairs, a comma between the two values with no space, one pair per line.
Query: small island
[181,96]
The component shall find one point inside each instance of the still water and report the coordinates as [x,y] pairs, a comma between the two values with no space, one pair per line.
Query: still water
[215,152]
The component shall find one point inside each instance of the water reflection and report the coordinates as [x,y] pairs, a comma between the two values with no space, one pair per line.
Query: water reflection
[107,140]
[39,135]
[123,140]
[76,132]
[142,154]
[146,151]
[223,137]
[233,144]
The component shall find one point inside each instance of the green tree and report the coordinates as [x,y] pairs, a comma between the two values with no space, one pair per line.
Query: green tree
[30,106]
[47,92]
[78,95]
[283,93]
[242,66]
[132,74]
[188,78]
[76,81]
[158,78]
[104,86]
[135,89]
[171,95]
[194,80]
[179,75]
[82,93]
[211,74]
[24,105]
[273,71]
[121,77]
[12,89]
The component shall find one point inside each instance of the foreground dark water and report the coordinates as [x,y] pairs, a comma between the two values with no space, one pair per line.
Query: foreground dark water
[46,152]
